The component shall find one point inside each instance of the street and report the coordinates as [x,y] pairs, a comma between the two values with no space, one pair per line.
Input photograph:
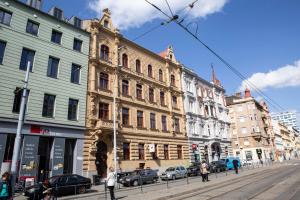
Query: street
[276,182]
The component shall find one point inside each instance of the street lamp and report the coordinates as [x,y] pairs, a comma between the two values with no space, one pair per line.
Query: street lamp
[18,139]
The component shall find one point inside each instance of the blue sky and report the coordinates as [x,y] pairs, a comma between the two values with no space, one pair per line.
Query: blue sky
[254,36]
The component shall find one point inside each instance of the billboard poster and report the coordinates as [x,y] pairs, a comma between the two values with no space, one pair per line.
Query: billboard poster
[29,157]
[58,156]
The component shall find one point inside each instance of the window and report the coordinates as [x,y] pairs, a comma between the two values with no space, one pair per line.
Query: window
[2,50]
[140,119]
[104,53]
[17,100]
[5,17]
[77,45]
[9,147]
[176,125]
[162,98]
[138,66]
[179,151]
[48,105]
[75,73]
[174,101]
[126,151]
[139,91]
[244,130]
[27,56]
[164,123]
[73,109]
[58,13]
[103,81]
[77,22]
[125,86]
[152,121]
[141,148]
[160,75]
[125,60]
[150,71]
[151,95]
[52,67]
[172,80]
[56,37]
[191,105]
[105,24]
[32,27]
[154,154]
[103,111]
[188,85]
[125,116]
[166,152]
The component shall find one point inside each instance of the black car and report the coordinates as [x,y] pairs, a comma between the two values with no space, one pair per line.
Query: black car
[139,177]
[61,185]
[217,166]
[194,169]
[121,176]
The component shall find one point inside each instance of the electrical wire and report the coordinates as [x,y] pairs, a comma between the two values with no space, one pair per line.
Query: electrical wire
[149,31]
[235,71]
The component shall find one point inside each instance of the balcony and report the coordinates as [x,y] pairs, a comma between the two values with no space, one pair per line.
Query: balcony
[257,135]
[106,124]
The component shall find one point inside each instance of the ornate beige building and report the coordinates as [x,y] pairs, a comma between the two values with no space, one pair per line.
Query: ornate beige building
[149,108]
[251,128]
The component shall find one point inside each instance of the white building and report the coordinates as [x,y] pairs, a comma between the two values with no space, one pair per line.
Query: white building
[207,118]
[287,118]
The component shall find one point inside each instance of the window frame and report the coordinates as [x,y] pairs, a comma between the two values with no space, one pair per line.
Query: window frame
[139,91]
[24,68]
[151,95]
[138,67]
[125,60]
[78,69]
[179,152]
[125,87]
[103,113]
[141,151]
[166,152]
[125,116]
[75,42]
[104,81]
[71,111]
[152,121]
[150,71]
[30,31]
[140,119]
[57,70]
[164,126]
[53,40]
[104,52]
[126,151]
[52,109]
[5,12]
[2,44]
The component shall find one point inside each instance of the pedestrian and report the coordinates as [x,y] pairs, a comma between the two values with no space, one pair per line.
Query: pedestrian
[5,187]
[111,180]
[236,165]
[204,171]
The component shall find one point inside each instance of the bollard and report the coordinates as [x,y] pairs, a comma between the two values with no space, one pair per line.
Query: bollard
[226,171]
[216,174]
[167,182]
[187,179]
[105,189]
[141,182]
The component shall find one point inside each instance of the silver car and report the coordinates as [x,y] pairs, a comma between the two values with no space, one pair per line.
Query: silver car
[174,173]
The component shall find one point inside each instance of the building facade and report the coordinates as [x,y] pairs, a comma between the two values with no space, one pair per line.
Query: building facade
[149,109]
[57,51]
[251,128]
[287,118]
[207,119]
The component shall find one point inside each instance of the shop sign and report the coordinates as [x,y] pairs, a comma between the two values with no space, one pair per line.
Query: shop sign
[29,159]
[3,138]
[58,156]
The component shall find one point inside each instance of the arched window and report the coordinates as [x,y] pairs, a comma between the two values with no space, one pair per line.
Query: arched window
[150,71]
[172,80]
[138,66]
[125,60]
[104,52]
[160,75]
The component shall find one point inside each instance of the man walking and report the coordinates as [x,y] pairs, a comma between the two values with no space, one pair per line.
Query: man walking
[204,171]
[236,165]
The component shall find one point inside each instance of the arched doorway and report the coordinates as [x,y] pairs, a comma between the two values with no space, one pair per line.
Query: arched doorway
[216,151]
[101,159]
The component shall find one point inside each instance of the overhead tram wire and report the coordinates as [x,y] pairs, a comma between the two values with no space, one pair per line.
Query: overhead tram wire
[235,71]
[149,31]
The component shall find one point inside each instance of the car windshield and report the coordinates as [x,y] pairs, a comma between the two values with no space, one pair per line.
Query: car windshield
[170,169]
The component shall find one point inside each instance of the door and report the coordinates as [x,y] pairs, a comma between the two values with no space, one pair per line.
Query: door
[101,159]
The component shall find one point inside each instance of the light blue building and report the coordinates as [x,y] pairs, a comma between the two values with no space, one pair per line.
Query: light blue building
[57,49]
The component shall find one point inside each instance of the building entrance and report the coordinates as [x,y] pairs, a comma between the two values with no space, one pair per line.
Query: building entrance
[101,159]
[44,152]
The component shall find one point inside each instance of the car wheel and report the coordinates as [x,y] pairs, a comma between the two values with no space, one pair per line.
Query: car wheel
[173,177]
[135,183]
[81,190]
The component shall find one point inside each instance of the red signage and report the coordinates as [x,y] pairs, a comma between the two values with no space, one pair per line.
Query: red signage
[194,146]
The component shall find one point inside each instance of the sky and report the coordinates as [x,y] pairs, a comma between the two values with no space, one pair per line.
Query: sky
[259,38]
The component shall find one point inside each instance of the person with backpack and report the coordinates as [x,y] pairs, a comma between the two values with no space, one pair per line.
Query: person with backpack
[5,187]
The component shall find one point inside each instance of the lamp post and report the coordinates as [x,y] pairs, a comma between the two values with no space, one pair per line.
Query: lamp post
[18,139]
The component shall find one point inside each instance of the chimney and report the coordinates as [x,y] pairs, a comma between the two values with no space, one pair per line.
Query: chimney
[37,4]
[247,93]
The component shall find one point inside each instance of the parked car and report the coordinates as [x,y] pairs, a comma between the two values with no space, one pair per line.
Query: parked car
[229,162]
[61,185]
[217,166]
[139,177]
[194,169]
[122,175]
[174,173]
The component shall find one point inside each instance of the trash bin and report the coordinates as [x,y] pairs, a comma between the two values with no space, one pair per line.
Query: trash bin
[96,179]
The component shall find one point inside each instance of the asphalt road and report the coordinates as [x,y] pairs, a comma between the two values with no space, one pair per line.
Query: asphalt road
[276,182]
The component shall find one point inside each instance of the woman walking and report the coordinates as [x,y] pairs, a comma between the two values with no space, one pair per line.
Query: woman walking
[111,180]
[5,187]
[204,171]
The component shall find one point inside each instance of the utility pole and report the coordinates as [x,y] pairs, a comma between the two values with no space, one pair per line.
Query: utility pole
[17,144]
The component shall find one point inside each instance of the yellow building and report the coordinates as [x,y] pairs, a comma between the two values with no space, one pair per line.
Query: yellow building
[149,108]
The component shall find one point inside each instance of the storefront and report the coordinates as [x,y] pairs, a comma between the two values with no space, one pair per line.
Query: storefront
[45,151]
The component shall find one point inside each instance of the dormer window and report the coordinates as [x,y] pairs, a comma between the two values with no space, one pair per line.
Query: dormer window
[77,22]
[58,13]
[106,23]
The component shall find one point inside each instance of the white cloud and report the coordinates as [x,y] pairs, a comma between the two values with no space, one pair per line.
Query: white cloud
[286,76]
[134,13]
